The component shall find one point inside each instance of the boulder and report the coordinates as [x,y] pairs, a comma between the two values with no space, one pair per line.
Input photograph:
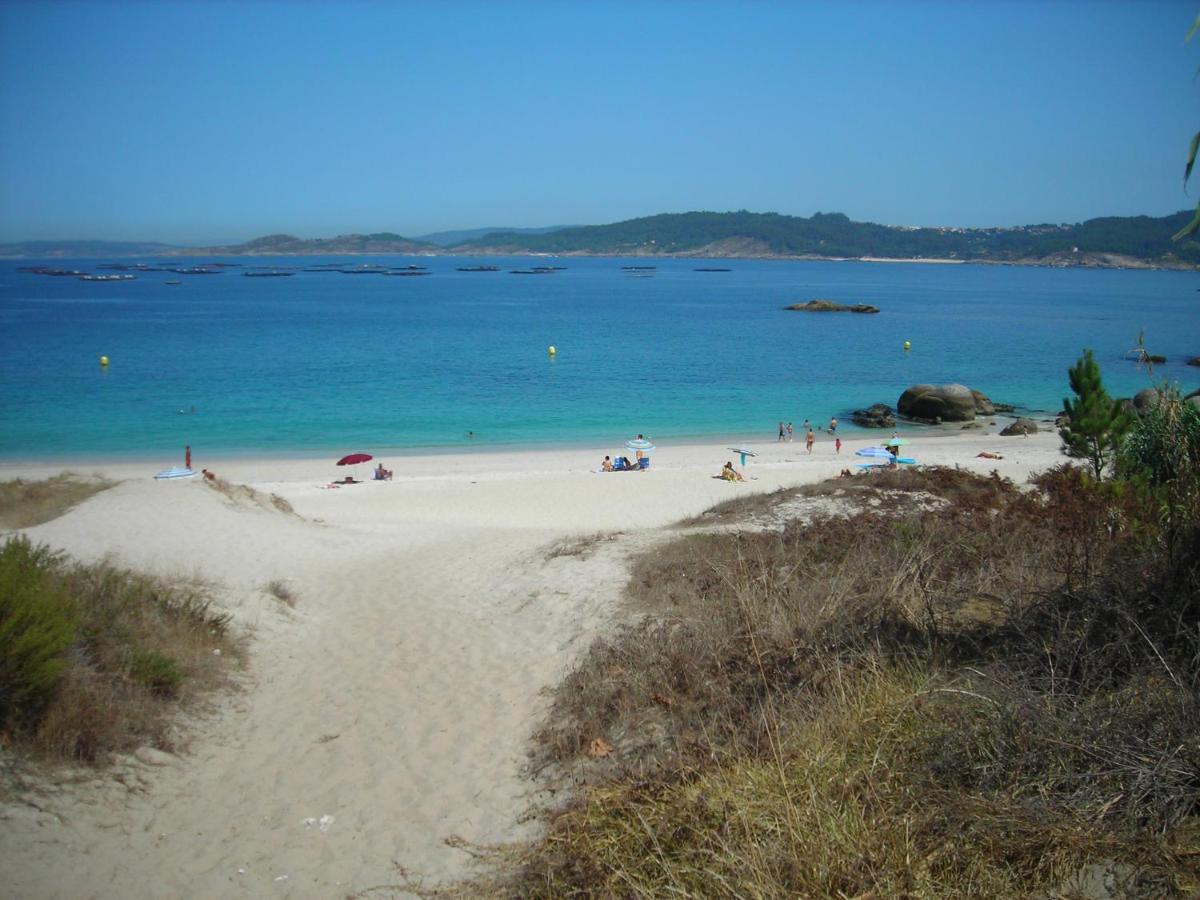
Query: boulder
[878,415]
[1144,399]
[1194,361]
[1004,407]
[1020,426]
[936,403]
[983,406]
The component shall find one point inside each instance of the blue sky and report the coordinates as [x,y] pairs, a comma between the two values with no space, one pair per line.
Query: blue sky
[202,122]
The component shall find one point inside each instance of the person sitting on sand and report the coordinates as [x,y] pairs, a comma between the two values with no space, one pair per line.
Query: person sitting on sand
[846,473]
[729,473]
[607,465]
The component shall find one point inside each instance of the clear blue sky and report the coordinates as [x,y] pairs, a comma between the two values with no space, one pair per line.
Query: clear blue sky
[199,122]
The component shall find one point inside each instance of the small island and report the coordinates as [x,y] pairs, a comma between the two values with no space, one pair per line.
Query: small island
[830,306]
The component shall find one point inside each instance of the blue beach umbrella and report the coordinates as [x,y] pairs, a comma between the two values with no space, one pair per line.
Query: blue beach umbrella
[639,444]
[872,451]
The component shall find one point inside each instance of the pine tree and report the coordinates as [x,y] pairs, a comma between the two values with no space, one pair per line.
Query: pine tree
[1095,424]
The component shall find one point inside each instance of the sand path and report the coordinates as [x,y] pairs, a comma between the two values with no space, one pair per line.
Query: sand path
[391,710]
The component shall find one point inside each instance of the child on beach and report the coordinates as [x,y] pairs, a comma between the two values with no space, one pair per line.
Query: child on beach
[837,445]
[781,432]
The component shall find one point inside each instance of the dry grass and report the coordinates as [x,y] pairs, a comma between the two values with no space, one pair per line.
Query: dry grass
[976,700]
[140,648]
[24,504]
[580,547]
[244,495]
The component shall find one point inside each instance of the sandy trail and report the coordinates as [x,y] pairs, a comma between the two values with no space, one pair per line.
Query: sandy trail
[392,709]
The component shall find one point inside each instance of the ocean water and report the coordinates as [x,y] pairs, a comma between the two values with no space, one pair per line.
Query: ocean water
[324,362]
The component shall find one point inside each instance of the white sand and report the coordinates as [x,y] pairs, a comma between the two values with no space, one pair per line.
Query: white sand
[399,696]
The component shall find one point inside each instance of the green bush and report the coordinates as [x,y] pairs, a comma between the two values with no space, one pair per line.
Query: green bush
[37,627]
[156,671]
[1164,442]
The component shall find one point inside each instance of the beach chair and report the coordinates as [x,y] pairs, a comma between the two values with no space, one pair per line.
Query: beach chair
[618,464]
[644,462]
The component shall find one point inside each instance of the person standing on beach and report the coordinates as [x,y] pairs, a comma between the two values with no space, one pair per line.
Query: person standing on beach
[837,446]
[833,425]
[187,456]
[789,432]
[808,440]
[781,431]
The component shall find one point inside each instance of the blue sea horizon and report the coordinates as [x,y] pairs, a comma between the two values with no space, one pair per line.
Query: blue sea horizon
[320,362]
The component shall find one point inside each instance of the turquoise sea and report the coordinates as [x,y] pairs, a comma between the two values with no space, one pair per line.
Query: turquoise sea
[330,363]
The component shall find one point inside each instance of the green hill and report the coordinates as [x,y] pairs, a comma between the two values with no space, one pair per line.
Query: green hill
[1106,241]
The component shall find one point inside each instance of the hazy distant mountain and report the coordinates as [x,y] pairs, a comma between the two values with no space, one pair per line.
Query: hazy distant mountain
[383,242]
[1115,241]
[1112,241]
[449,238]
[83,249]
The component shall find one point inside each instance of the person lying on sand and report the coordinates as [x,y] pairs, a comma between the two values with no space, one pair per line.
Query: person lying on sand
[988,454]
[729,473]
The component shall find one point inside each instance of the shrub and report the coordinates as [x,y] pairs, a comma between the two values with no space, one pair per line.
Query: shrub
[93,658]
[36,629]
[156,671]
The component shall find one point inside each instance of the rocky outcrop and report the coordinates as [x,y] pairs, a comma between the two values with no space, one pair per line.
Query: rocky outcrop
[1194,361]
[983,406]
[937,403]
[878,415]
[1145,399]
[1021,426]
[830,306]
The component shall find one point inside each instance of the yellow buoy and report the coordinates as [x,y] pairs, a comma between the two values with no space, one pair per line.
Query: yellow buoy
[104,360]
[552,350]
[908,345]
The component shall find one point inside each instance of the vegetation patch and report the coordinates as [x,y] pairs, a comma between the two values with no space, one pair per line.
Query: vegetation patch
[991,696]
[95,659]
[24,504]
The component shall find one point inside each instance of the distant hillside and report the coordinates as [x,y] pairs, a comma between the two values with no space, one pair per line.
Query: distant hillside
[450,238]
[288,245]
[1113,241]
[82,249]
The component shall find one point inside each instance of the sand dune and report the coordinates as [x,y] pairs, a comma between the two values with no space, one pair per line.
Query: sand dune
[391,709]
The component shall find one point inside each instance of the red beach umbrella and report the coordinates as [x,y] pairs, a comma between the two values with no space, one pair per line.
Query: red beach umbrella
[354,459]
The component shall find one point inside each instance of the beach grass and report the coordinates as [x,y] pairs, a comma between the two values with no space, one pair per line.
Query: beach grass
[24,504]
[991,697]
[96,659]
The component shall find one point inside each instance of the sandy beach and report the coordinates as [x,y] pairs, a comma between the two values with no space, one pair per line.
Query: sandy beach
[387,715]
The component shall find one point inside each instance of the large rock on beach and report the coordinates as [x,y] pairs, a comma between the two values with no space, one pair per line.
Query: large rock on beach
[878,415]
[1020,426]
[983,406]
[937,403]
[1144,399]
[830,306]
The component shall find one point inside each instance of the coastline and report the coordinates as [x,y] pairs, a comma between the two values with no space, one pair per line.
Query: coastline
[1058,261]
[397,697]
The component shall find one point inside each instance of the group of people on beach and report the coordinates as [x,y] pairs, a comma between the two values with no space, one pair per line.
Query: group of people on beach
[624,463]
[786,432]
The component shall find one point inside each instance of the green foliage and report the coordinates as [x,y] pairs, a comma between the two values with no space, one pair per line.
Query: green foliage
[1095,424]
[36,629]
[1164,442]
[156,671]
